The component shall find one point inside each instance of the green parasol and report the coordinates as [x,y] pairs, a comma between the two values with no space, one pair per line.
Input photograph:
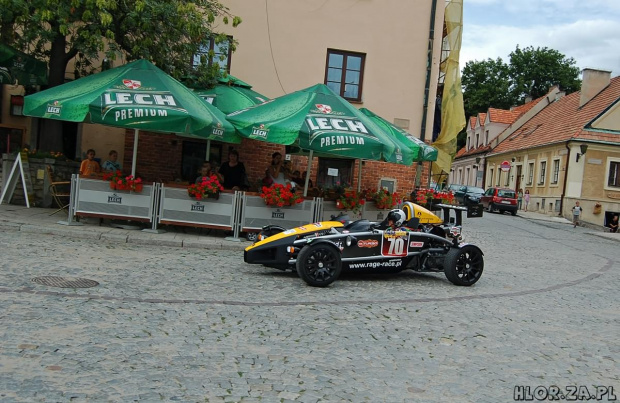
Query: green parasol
[21,67]
[138,96]
[231,98]
[421,150]
[317,119]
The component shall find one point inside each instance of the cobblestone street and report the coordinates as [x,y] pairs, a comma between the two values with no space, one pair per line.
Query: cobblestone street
[178,324]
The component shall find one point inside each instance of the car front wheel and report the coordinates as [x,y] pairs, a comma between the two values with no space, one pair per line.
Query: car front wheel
[319,265]
[463,266]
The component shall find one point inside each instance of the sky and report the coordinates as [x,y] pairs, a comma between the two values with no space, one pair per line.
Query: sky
[586,30]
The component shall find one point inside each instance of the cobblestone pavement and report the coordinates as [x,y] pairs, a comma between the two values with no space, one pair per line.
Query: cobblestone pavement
[193,325]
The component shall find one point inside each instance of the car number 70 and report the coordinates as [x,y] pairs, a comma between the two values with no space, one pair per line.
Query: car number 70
[395,246]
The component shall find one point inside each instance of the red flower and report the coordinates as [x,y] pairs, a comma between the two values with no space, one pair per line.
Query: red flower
[208,186]
[280,195]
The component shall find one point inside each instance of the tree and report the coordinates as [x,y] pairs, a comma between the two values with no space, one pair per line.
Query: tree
[166,32]
[485,84]
[531,72]
[534,71]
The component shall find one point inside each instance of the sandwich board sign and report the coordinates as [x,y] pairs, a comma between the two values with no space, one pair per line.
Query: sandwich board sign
[19,170]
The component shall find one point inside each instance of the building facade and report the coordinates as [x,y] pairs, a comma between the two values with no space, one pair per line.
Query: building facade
[384,56]
[568,151]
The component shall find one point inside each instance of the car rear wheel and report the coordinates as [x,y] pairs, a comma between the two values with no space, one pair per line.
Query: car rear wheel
[492,208]
[319,265]
[463,266]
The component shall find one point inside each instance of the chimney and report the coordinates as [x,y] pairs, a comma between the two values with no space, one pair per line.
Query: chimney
[593,82]
[528,99]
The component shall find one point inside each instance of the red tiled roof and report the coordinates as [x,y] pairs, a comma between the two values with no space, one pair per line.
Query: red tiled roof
[482,118]
[463,152]
[562,120]
[472,122]
[502,116]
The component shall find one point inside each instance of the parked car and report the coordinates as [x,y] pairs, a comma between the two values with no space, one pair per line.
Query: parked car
[453,187]
[500,199]
[468,195]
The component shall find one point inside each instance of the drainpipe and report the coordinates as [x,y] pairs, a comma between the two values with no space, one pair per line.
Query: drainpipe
[429,63]
[565,180]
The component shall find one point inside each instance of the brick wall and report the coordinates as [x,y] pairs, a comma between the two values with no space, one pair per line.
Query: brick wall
[159,159]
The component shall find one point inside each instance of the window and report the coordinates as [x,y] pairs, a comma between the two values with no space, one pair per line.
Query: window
[340,173]
[499,177]
[530,173]
[215,51]
[388,183]
[468,143]
[556,171]
[194,154]
[543,172]
[490,177]
[613,179]
[477,140]
[507,178]
[486,137]
[344,73]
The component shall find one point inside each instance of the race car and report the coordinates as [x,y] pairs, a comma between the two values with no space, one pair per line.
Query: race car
[412,238]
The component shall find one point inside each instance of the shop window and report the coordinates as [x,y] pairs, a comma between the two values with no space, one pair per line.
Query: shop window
[344,73]
[215,51]
[334,172]
[194,154]
[10,140]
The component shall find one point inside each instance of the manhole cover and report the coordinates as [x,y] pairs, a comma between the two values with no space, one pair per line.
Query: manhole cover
[65,282]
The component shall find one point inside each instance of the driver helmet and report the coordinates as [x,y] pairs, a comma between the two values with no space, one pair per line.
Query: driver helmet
[397,216]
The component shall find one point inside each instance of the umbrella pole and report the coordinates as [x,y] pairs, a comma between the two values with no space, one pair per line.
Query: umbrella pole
[207,157]
[308,173]
[359,176]
[135,152]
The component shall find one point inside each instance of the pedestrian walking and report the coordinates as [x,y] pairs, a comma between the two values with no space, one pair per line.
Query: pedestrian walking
[519,199]
[526,198]
[576,214]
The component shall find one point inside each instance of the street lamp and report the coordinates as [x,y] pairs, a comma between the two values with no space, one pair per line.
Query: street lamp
[583,148]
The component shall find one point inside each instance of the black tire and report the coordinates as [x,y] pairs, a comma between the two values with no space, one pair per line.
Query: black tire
[251,236]
[513,213]
[319,265]
[463,266]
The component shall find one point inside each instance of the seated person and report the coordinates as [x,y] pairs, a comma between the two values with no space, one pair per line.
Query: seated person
[206,172]
[89,166]
[275,172]
[233,172]
[395,220]
[613,224]
[111,164]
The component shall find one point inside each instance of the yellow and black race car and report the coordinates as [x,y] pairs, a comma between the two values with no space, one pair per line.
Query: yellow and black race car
[421,241]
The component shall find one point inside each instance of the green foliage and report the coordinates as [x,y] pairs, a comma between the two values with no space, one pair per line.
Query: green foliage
[531,72]
[166,32]
[534,71]
[485,84]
